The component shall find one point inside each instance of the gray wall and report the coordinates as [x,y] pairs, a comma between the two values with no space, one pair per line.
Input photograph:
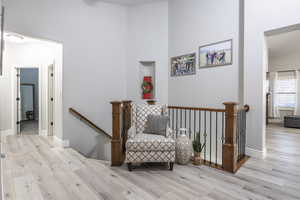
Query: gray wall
[93,35]
[148,41]
[193,23]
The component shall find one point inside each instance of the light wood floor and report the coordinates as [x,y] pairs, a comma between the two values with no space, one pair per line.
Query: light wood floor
[34,168]
[30,127]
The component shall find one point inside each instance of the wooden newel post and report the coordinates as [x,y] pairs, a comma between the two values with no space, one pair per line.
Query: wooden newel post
[117,157]
[230,146]
[127,121]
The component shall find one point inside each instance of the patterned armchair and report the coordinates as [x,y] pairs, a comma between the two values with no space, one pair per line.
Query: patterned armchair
[141,147]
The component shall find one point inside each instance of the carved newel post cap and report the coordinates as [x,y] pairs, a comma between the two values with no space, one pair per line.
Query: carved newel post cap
[230,103]
[115,102]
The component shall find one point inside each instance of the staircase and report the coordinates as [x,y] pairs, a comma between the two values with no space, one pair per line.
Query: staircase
[101,141]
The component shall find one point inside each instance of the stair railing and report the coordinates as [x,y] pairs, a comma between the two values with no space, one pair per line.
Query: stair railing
[223,131]
[88,122]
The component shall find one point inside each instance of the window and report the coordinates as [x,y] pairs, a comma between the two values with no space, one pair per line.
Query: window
[285,90]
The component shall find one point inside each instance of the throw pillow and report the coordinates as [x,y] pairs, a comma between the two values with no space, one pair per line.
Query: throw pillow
[156,124]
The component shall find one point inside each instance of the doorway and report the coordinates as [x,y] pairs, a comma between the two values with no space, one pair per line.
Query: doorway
[33,108]
[28,101]
[283,94]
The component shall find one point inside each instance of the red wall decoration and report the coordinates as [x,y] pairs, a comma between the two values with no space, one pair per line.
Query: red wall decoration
[147,87]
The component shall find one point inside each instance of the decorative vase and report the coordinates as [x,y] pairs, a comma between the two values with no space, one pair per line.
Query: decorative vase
[183,148]
[197,158]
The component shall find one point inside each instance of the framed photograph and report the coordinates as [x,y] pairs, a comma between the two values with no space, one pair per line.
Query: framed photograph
[216,54]
[183,65]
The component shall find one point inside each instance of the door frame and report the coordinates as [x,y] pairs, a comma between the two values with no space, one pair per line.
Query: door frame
[14,97]
[49,108]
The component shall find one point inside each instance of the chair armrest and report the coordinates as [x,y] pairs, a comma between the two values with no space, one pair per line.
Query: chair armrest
[170,133]
[131,132]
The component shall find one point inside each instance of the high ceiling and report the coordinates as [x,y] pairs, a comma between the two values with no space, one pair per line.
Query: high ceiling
[128,2]
[284,44]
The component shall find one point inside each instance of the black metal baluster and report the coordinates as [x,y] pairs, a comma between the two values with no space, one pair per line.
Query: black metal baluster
[216,138]
[173,119]
[245,132]
[241,133]
[205,134]
[194,124]
[222,139]
[169,115]
[185,118]
[180,118]
[190,124]
[176,123]
[237,133]
[210,137]
[200,126]
[223,127]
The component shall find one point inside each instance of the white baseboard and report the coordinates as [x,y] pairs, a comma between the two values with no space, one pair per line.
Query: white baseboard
[256,153]
[44,133]
[61,143]
[7,132]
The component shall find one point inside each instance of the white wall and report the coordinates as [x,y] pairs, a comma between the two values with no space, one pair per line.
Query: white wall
[148,41]
[261,16]
[193,23]
[284,62]
[93,35]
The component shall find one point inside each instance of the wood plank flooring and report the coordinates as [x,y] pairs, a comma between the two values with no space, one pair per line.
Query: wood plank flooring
[35,168]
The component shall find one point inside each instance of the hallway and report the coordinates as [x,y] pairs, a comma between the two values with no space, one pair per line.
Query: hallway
[283,144]
[30,127]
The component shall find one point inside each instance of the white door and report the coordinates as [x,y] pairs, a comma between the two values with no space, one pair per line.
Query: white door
[51,100]
[1,37]
[18,99]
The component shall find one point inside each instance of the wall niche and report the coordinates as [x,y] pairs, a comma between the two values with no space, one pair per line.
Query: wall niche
[147,80]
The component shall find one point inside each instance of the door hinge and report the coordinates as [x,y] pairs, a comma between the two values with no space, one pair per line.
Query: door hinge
[18,123]
[51,98]
[51,123]
[51,74]
[18,75]
[18,98]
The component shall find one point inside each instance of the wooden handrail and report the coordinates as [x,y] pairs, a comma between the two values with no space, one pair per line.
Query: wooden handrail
[88,122]
[196,108]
